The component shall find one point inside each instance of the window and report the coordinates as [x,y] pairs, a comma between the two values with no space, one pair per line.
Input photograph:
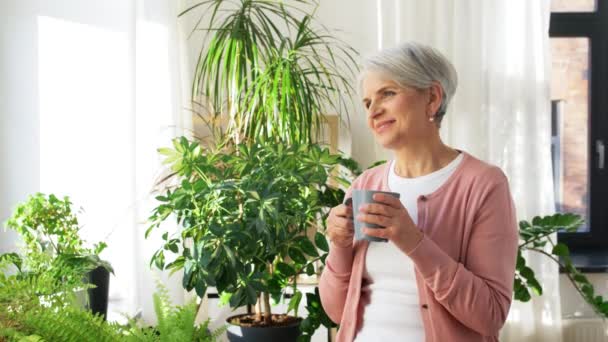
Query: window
[579,52]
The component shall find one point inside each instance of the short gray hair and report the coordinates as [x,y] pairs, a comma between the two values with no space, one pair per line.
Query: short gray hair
[415,65]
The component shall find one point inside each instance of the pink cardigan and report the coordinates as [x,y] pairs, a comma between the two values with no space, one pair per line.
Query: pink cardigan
[465,263]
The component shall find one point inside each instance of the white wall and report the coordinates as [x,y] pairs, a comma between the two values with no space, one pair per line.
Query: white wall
[572,303]
[19,134]
[359,29]
[67,82]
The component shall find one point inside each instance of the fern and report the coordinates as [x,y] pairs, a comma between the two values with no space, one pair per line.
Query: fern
[70,325]
[206,335]
[35,307]
[175,323]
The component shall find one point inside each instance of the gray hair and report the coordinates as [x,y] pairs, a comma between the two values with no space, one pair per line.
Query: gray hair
[415,65]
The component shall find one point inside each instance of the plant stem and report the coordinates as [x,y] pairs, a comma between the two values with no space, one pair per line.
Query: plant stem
[536,238]
[267,312]
[57,251]
[574,283]
[258,309]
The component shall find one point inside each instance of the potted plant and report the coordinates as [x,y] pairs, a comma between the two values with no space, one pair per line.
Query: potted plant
[266,75]
[50,231]
[245,216]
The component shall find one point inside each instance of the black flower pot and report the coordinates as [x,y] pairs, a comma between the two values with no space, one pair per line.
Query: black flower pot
[98,296]
[286,333]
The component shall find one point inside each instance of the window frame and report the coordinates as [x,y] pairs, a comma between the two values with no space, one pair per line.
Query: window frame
[594,26]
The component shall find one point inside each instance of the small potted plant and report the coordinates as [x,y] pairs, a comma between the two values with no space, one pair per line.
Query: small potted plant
[50,231]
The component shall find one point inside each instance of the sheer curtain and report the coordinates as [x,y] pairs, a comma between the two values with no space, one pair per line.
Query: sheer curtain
[500,113]
[93,88]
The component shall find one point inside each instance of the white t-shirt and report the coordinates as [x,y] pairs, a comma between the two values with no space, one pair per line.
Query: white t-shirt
[394,312]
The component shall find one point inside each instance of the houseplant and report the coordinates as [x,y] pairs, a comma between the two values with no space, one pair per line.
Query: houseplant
[269,69]
[266,75]
[535,236]
[52,245]
[25,315]
[245,216]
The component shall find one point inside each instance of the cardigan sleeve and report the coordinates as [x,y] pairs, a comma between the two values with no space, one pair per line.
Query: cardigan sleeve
[334,282]
[478,295]
[335,278]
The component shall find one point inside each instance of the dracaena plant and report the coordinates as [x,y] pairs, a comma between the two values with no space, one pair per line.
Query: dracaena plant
[269,69]
[245,215]
[535,237]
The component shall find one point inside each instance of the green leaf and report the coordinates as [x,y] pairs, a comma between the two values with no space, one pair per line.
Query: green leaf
[535,286]
[303,338]
[251,295]
[521,292]
[286,269]
[560,250]
[294,303]
[580,278]
[238,298]
[189,267]
[521,262]
[200,288]
[159,260]
[12,258]
[588,290]
[307,247]
[527,273]
[321,242]
[173,247]
[310,269]
[296,255]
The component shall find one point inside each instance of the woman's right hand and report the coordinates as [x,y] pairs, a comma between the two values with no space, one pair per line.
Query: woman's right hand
[340,227]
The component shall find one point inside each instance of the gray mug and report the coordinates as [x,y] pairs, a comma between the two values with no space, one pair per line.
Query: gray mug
[365,197]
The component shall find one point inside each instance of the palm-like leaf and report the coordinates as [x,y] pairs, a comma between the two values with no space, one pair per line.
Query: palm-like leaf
[270,70]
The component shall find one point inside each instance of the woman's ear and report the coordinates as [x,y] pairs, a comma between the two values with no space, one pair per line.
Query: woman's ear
[435,98]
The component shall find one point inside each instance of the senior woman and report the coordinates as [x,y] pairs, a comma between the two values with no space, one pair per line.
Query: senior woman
[446,273]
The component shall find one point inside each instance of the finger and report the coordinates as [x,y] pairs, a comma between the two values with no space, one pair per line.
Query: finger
[340,234]
[343,210]
[341,222]
[377,232]
[378,209]
[388,200]
[375,219]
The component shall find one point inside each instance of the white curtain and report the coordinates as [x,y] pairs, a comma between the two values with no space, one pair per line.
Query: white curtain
[161,102]
[93,89]
[500,113]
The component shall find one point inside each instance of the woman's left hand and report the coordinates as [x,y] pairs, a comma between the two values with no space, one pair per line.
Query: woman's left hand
[390,213]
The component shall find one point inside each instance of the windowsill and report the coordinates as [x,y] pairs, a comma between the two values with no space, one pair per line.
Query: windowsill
[592,261]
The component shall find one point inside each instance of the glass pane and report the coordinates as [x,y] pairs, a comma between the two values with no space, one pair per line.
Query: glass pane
[570,113]
[573,6]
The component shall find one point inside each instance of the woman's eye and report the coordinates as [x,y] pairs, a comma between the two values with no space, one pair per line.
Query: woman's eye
[388,93]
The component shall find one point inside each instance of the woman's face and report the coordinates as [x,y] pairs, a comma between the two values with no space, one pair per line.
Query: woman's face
[396,115]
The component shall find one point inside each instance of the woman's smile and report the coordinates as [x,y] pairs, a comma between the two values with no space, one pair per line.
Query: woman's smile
[384,125]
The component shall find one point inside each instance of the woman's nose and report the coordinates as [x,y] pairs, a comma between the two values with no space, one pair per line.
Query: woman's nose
[374,111]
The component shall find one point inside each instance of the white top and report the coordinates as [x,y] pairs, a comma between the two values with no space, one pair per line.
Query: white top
[394,312]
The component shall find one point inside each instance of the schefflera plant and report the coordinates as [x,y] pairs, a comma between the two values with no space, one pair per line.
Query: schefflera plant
[244,213]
